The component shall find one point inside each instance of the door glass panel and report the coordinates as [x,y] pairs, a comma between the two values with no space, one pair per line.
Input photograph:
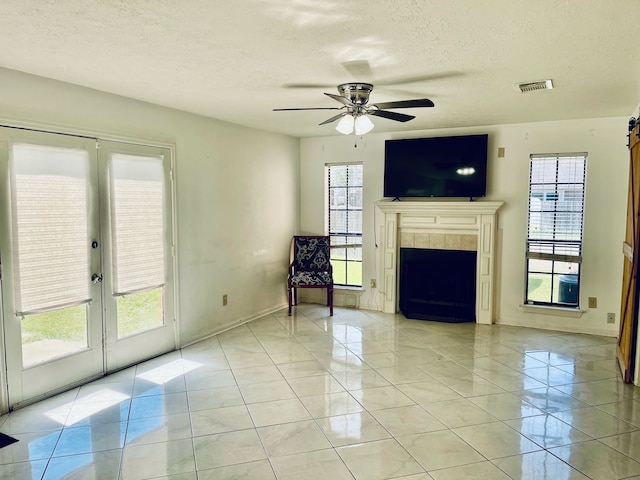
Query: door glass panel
[50,196]
[53,334]
[138,312]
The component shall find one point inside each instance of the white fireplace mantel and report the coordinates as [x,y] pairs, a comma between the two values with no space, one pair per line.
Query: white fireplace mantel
[448,222]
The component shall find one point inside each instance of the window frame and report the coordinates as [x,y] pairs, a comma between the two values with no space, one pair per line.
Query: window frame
[553,204]
[353,236]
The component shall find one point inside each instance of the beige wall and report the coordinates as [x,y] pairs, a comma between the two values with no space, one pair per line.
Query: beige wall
[236,191]
[605,210]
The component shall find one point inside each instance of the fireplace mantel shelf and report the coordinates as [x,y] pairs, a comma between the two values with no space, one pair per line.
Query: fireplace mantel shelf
[449,218]
[465,208]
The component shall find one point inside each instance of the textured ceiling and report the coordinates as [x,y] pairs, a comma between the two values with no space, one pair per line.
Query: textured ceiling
[236,60]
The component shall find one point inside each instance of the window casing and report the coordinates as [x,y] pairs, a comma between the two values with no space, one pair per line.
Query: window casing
[554,229]
[344,220]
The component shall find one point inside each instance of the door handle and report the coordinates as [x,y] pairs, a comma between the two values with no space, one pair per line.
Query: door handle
[95,278]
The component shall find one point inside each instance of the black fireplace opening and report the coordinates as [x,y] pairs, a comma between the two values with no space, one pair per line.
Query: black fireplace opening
[438,285]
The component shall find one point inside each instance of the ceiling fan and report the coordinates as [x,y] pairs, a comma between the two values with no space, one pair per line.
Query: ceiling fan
[356,108]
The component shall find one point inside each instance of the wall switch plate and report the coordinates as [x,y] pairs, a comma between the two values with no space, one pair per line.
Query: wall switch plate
[373,283]
[611,317]
[593,302]
[224,299]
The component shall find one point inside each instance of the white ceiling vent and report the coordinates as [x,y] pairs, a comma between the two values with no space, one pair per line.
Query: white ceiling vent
[533,86]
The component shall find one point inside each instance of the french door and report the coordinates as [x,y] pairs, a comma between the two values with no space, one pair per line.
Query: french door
[87,265]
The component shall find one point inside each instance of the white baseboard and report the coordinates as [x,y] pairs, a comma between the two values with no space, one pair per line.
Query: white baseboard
[542,325]
[236,323]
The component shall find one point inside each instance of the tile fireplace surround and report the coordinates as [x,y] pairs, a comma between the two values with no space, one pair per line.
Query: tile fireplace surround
[442,225]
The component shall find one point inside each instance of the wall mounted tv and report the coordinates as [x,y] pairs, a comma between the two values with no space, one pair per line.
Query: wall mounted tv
[436,167]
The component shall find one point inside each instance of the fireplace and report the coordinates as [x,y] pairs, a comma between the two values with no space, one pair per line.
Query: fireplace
[438,284]
[451,225]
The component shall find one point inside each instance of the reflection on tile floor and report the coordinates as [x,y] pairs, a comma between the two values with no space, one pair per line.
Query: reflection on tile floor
[359,396]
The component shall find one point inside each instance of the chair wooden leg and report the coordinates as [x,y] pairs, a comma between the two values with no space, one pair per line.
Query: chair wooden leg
[330,299]
[289,300]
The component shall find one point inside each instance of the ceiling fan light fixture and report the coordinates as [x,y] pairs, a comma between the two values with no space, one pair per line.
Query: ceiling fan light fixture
[345,125]
[363,124]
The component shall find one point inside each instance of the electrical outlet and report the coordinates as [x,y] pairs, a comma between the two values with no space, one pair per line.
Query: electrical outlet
[224,299]
[373,283]
[611,317]
[593,302]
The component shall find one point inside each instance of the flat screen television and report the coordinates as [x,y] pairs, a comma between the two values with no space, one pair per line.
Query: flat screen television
[436,167]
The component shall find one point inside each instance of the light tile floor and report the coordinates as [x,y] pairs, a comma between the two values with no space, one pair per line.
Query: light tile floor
[361,395]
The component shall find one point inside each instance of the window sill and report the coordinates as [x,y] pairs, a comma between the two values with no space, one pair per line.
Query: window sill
[348,288]
[555,311]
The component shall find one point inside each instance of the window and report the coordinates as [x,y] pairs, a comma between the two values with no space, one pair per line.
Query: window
[344,182]
[554,238]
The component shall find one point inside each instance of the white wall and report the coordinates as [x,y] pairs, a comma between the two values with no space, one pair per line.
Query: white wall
[605,142]
[237,194]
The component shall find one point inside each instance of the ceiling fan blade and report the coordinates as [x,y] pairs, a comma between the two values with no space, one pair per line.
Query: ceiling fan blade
[398,117]
[417,78]
[340,99]
[419,102]
[308,85]
[359,69]
[333,119]
[310,108]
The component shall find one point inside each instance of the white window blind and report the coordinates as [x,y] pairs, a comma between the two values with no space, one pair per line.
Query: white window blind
[137,222]
[50,227]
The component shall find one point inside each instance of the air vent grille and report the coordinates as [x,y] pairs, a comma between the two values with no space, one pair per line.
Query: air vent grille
[533,86]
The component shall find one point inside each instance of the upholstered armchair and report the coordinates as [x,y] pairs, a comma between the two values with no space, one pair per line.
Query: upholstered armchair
[310,267]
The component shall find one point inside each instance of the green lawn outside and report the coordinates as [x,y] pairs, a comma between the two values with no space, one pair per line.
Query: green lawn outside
[136,312]
[339,272]
[139,312]
[540,287]
[67,324]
